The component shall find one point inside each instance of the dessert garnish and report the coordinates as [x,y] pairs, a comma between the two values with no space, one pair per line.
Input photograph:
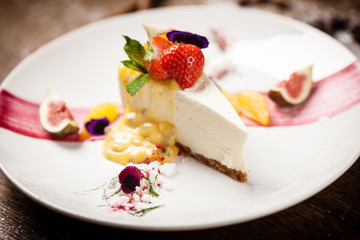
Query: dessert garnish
[129,179]
[187,38]
[55,117]
[155,69]
[96,126]
[295,90]
[184,62]
[250,104]
[161,58]
[138,188]
[96,115]
[253,105]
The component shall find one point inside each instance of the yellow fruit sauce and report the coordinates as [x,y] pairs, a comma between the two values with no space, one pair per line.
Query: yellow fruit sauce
[146,132]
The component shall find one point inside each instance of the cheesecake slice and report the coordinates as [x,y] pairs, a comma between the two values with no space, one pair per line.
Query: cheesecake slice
[162,118]
[210,130]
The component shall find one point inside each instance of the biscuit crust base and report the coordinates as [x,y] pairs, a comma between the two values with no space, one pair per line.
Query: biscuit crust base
[234,174]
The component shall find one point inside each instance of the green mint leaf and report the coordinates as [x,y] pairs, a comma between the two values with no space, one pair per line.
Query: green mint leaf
[136,84]
[134,65]
[151,190]
[149,52]
[135,52]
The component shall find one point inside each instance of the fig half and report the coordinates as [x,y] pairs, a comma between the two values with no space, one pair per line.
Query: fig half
[55,117]
[295,90]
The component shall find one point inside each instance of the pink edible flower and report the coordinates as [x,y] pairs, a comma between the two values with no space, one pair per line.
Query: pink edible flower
[129,179]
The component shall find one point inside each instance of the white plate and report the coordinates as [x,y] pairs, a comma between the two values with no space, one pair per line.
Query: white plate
[288,164]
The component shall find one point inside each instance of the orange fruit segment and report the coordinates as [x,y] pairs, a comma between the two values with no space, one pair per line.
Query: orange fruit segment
[253,105]
[108,110]
[232,99]
[250,104]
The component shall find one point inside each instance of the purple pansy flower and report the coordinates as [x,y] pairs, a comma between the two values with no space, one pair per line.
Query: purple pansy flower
[188,38]
[129,179]
[96,126]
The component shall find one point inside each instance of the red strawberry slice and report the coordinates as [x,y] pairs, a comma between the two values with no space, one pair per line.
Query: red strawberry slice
[153,66]
[184,62]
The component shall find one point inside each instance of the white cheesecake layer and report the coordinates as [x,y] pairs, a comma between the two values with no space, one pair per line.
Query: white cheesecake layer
[208,125]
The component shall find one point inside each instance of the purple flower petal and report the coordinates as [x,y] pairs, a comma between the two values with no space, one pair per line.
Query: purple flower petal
[188,38]
[129,179]
[96,126]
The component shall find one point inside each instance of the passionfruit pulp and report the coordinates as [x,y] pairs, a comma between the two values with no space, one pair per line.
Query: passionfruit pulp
[55,117]
[295,90]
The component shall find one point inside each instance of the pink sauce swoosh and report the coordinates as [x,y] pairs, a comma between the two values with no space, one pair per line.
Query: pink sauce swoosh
[21,116]
[330,96]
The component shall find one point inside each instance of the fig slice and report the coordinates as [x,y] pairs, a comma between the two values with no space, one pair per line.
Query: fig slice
[295,90]
[55,117]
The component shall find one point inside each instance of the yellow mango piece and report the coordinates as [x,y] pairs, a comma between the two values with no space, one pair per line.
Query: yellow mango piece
[108,110]
[253,105]
[232,99]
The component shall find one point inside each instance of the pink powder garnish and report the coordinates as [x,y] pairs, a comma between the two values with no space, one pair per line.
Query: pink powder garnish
[221,38]
[220,74]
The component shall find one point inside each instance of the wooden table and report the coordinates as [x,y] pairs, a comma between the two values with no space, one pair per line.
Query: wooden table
[334,213]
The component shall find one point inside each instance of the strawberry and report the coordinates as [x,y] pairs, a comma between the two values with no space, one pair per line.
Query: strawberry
[152,61]
[162,59]
[184,62]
